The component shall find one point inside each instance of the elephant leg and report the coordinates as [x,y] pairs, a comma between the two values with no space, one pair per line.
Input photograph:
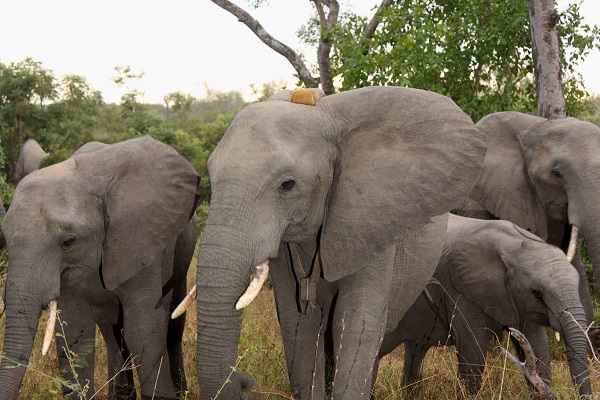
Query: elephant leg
[182,256]
[538,338]
[121,385]
[175,350]
[145,323]
[304,336]
[472,345]
[358,326]
[76,344]
[414,354]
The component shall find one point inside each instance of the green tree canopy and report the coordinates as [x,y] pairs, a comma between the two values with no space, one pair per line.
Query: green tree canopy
[477,52]
[25,87]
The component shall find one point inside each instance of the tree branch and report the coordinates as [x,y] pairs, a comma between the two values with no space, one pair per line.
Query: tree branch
[294,59]
[528,367]
[325,43]
[374,22]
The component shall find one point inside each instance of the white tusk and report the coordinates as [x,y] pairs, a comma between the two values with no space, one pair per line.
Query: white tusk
[185,303]
[2,306]
[557,336]
[261,272]
[572,243]
[49,327]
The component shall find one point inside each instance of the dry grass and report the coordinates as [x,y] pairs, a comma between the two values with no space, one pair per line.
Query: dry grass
[262,357]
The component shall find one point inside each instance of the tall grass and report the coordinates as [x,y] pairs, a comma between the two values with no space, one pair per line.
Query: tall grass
[262,357]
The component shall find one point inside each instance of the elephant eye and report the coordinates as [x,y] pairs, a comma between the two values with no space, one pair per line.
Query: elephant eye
[537,293]
[67,242]
[556,173]
[288,185]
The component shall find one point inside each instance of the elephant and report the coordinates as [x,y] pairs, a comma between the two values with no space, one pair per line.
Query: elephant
[109,234]
[30,159]
[493,275]
[542,175]
[334,194]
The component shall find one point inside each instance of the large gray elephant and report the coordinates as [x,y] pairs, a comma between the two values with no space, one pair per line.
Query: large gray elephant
[494,275]
[336,193]
[542,175]
[108,234]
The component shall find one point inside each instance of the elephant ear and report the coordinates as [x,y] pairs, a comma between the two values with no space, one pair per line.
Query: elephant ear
[405,155]
[504,188]
[480,275]
[151,193]
[30,159]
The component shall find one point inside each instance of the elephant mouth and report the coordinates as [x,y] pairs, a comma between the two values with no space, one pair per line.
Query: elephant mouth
[261,272]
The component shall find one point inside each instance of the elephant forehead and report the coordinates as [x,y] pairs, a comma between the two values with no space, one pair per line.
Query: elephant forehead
[48,201]
[264,144]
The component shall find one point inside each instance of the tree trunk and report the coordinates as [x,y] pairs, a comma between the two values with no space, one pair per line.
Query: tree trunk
[546,59]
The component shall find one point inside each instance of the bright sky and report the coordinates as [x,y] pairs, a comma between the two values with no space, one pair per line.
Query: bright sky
[180,45]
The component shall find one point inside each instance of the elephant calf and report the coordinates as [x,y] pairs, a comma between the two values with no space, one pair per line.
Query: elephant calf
[493,275]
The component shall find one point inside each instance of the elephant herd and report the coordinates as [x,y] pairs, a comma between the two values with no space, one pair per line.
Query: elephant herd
[344,200]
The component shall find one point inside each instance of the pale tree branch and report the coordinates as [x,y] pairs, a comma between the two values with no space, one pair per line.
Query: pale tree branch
[528,367]
[294,59]
[374,22]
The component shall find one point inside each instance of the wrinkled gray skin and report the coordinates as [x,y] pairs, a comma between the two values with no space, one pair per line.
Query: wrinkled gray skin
[358,177]
[108,234]
[543,175]
[30,159]
[493,275]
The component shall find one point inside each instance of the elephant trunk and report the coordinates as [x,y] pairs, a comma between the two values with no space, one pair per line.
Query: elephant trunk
[572,324]
[223,274]
[23,309]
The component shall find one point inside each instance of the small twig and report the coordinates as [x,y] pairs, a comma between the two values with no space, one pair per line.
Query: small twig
[337,359]
[233,370]
[503,366]
[369,376]
[312,386]
[157,375]
[528,367]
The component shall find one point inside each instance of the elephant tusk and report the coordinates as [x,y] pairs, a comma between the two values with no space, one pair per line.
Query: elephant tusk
[261,272]
[185,303]
[572,243]
[49,326]
[2,307]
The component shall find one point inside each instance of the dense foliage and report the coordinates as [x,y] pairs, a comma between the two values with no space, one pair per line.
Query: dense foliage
[64,113]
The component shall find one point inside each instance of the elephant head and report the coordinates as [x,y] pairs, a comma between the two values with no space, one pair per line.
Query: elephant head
[110,211]
[357,170]
[513,276]
[543,175]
